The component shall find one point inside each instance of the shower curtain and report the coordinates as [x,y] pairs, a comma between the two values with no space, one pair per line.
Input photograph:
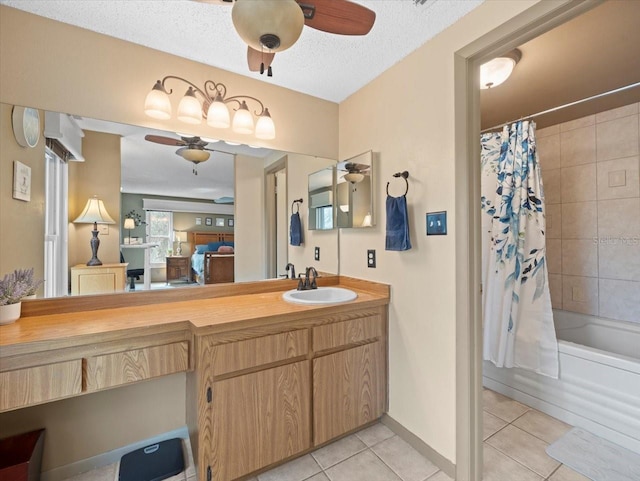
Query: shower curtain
[518,328]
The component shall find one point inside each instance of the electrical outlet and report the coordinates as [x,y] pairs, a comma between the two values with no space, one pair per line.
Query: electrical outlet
[371,258]
[317,254]
[437,223]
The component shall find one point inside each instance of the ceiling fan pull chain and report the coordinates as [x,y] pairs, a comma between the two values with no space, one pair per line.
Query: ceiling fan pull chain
[269,72]
[261,68]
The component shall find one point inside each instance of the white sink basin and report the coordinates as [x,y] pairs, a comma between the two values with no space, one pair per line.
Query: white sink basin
[321,295]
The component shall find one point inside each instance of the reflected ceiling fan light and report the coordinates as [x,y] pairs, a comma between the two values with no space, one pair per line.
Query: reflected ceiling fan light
[189,109]
[265,128]
[194,155]
[157,104]
[243,120]
[344,208]
[210,140]
[354,177]
[228,142]
[496,71]
[218,114]
[272,24]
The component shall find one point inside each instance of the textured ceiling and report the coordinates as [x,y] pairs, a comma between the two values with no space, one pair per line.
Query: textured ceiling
[328,66]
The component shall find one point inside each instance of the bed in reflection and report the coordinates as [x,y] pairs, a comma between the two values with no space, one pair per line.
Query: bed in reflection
[212,257]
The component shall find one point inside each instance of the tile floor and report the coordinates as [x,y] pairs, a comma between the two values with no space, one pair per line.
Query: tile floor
[515,438]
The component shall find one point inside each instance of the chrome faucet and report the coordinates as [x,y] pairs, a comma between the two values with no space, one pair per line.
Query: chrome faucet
[309,282]
[291,267]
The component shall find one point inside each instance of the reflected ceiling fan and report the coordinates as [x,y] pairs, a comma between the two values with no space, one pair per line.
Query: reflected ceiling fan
[270,26]
[193,149]
[355,172]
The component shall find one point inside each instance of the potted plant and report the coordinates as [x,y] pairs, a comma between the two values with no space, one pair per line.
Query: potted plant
[13,288]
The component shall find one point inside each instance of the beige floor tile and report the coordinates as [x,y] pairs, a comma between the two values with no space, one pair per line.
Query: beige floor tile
[296,470]
[440,476]
[542,426]
[491,425]
[499,467]
[338,451]
[567,474]
[405,461]
[318,477]
[364,466]
[105,473]
[525,449]
[375,434]
[501,406]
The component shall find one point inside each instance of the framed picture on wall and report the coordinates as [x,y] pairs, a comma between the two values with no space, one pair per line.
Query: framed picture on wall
[198,220]
[230,222]
[208,221]
[21,181]
[219,222]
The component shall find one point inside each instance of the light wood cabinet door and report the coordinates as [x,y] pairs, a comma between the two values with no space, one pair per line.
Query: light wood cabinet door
[349,390]
[258,419]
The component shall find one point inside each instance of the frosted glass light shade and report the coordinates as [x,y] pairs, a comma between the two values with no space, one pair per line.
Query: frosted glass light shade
[218,114]
[354,177]
[189,109]
[282,18]
[194,155]
[243,120]
[496,71]
[265,128]
[157,104]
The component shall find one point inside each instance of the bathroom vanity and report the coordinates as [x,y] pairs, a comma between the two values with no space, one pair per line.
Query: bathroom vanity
[267,380]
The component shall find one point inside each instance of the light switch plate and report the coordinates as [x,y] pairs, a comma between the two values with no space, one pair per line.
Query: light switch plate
[437,223]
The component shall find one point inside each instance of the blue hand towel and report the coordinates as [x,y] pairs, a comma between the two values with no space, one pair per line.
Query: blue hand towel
[397,224]
[295,230]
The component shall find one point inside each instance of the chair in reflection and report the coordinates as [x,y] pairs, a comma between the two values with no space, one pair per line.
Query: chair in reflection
[132,274]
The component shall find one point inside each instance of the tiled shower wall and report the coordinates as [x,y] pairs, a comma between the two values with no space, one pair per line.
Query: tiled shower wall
[590,173]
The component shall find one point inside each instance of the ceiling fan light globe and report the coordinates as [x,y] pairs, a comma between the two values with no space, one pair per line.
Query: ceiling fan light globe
[189,109]
[496,71]
[354,177]
[194,155]
[243,120]
[265,128]
[281,18]
[218,115]
[157,104]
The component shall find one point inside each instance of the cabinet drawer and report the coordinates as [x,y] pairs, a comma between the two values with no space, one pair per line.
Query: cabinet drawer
[111,370]
[34,385]
[239,355]
[339,334]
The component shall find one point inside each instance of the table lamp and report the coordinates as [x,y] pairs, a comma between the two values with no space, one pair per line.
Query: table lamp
[129,224]
[180,237]
[94,213]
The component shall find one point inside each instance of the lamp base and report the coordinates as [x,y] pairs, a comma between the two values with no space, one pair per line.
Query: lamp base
[95,243]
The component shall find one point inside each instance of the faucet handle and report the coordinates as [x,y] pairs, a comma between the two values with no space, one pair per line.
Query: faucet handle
[300,283]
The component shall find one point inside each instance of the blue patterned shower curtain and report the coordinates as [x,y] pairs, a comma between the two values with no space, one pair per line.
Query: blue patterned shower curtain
[518,327]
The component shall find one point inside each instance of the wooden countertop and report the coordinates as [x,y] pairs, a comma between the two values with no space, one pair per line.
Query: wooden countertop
[202,316]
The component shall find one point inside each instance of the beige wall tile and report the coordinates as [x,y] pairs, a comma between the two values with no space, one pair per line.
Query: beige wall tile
[549,151]
[609,174]
[555,287]
[619,258]
[577,123]
[618,218]
[579,220]
[620,300]
[580,257]
[578,183]
[578,146]
[617,138]
[554,255]
[551,186]
[613,114]
[553,221]
[580,294]
[551,130]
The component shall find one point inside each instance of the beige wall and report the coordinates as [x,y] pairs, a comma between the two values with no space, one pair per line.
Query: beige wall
[590,172]
[407,116]
[21,223]
[98,175]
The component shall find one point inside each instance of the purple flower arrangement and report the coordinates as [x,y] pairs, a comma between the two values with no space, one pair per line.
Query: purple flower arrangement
[17,285]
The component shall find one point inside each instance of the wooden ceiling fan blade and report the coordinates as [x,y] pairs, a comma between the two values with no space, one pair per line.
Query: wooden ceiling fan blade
[159,139]
[338,16]
[255,58]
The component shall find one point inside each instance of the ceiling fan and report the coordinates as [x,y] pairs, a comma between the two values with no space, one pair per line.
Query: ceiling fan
[192,149]
[355,172]
[270,26]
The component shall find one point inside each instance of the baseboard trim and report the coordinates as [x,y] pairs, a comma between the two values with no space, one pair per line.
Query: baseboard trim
[419,445]
[73,469]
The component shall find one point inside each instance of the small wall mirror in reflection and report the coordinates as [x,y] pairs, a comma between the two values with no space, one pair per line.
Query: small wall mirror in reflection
[354,192]
[321,197]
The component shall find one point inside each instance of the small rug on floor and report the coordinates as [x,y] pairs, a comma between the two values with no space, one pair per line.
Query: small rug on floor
[594,457]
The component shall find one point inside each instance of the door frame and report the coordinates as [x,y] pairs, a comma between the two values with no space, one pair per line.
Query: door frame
[529,24]
[270,214]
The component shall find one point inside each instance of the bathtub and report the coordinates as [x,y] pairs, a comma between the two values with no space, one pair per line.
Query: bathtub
[598,388]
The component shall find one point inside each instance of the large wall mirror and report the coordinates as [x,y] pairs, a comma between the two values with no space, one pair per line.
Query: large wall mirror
[143,175]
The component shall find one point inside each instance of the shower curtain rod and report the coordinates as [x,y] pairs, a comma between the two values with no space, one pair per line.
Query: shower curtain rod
[570,104]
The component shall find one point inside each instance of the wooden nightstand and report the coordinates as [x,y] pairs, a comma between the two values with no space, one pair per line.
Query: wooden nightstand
[98,279]
[178,269]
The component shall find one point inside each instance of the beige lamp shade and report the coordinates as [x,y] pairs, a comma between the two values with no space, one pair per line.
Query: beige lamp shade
[129,224]
[94,211]
[181,236]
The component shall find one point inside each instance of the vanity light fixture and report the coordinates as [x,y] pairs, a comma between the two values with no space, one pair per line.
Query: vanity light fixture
[497,70]
[211,103]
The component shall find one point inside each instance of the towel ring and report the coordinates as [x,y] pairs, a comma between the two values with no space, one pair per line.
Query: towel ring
[405,176]
[296,203]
